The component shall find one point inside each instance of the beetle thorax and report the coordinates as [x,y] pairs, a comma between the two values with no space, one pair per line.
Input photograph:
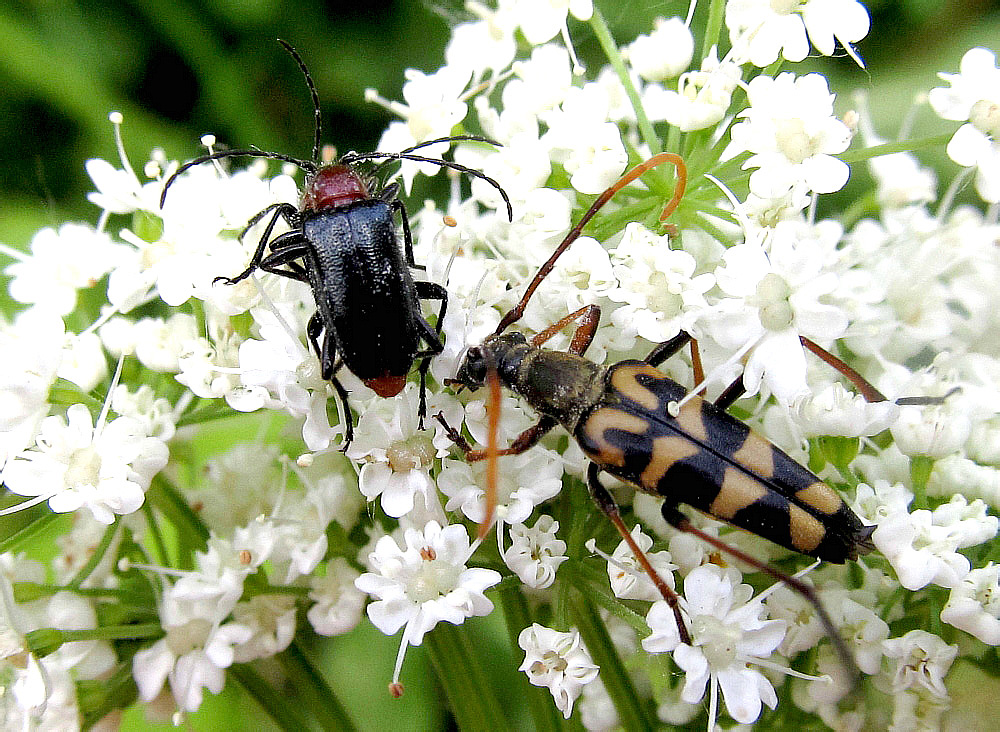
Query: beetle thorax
[333,185]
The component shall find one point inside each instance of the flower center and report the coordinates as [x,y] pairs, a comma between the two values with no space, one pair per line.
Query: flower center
[985,117]
[717,640]
[411,454]
[435,578]
[772,300]
[185,638]
[551,662]
[793,140]
[84,467]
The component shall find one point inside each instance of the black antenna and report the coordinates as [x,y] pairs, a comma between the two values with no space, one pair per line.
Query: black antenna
[317,137]
[306,165]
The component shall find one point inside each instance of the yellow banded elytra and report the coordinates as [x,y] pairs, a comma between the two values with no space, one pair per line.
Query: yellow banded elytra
[625,419]
[708,459]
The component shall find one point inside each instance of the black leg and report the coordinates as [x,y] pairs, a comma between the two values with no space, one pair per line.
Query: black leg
[397,205]
[281,210]
[667,349]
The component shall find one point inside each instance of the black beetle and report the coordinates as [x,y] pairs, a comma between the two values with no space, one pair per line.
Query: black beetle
[343,243]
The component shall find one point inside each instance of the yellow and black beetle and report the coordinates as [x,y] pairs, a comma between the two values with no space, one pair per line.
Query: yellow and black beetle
[627,419]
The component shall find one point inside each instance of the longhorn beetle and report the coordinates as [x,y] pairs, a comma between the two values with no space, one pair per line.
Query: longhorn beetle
[343,243]
[636,424]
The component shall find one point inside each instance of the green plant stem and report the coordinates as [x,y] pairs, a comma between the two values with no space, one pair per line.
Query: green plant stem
[95,557]
[278,706]
[310,684]
[137,631]
[603,34]
[888,148]
[26,533]
[615,678]
[517,617]
[157,536]
[716,14]
[470,695]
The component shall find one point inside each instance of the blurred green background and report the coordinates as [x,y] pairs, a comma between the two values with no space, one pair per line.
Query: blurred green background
[181,68]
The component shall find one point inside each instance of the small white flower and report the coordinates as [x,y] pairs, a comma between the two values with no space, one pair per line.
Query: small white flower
[702,97]
[61,262]
[974,604]
[922,546]
[629,580]
[664,53]
[922,660]
[834,410]
[761,29]
[542,20]
[397,454]
[728,633]
[523,482]
[792,134]
[661,292]
[199,644]
[535,554]
[557,660]
[424,584]
[271,621]
[33,349]
[339,604]
[974,98]
[106,468]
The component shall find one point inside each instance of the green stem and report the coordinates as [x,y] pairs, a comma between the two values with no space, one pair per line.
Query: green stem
[615,678]
[167,499]
[309,682]
[716,14]
[517,617]
[25,534]
[280,707]
[470,695]
[137,631]
[603,34]
[95,557]
[154,530]
[888,148]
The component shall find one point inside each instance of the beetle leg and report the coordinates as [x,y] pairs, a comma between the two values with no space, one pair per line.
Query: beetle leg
[397,205]
[524,441]
[286,256]
[682,523]
[609,508]
[281,210]
[665,350]
[432,336]
[584,335]
[348,417]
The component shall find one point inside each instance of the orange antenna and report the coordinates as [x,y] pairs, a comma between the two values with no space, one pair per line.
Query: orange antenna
[517,311]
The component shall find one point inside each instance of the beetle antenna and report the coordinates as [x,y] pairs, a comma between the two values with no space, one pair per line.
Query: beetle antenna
[306,165]
[315,98]
[450,138]
[515,313]
[354,157]
[492,452]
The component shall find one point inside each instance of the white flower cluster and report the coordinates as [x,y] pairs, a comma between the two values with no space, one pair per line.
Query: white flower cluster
[218,423]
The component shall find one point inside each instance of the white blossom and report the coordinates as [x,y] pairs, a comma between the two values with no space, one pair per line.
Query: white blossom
[424,583]
[535,554]
[558,661]
[973,98]
[728,632]
[921,661]
[664,53]
[338,603]
[105,468]
[792,136]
